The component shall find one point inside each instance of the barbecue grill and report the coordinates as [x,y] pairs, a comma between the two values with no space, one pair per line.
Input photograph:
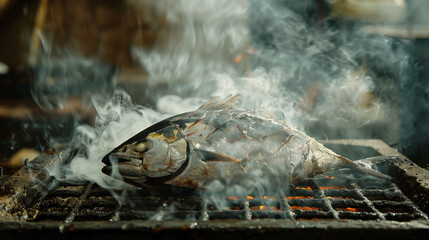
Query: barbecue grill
[343,202]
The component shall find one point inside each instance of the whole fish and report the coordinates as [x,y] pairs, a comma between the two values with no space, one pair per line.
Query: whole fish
[217,142]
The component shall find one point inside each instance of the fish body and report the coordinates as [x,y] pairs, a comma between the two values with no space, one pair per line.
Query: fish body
[217,142]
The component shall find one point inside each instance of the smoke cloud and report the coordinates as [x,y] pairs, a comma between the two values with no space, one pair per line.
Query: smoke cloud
[278,59]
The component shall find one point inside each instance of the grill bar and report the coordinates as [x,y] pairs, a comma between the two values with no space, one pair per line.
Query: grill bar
[116,213]
[264,228]
[286,207]
[247,214]
[327,204]
[204,214]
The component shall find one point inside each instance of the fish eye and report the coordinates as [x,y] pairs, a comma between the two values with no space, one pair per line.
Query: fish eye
[140,147]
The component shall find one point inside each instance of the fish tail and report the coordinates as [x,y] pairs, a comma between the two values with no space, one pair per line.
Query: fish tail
[371,161]
[373,172]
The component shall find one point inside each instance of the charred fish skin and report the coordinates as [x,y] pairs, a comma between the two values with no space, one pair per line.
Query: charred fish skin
[216,142]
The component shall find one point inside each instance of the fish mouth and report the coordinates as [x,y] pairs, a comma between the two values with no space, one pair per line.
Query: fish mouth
[119,157]
[125,167]
[125,162]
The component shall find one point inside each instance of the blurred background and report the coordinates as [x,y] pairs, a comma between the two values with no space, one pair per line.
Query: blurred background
[355,69]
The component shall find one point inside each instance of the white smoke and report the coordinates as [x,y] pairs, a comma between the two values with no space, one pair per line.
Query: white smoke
[202,38]
[117,120]
[210,58]
[198,63]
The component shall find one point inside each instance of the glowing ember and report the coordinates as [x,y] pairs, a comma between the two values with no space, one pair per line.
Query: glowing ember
[338,197]
[233,198]
[306,188]
[264,208]
[305,208]
[249,198]
[349,209]
[328,177]
[270,197]
[298,197]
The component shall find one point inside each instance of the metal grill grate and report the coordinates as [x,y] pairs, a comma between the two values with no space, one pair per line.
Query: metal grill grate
[317,199]
[34,205]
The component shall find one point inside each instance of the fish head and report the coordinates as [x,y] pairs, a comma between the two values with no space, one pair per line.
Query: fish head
[149,161]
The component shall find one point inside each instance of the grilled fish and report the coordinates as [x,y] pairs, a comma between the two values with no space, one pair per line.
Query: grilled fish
[218,142]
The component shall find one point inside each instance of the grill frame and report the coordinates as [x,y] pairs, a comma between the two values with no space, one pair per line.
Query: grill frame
[21,200]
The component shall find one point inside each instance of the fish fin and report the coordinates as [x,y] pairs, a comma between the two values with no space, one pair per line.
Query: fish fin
[297,175]
[225,103]
[362,166]
[215,156]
